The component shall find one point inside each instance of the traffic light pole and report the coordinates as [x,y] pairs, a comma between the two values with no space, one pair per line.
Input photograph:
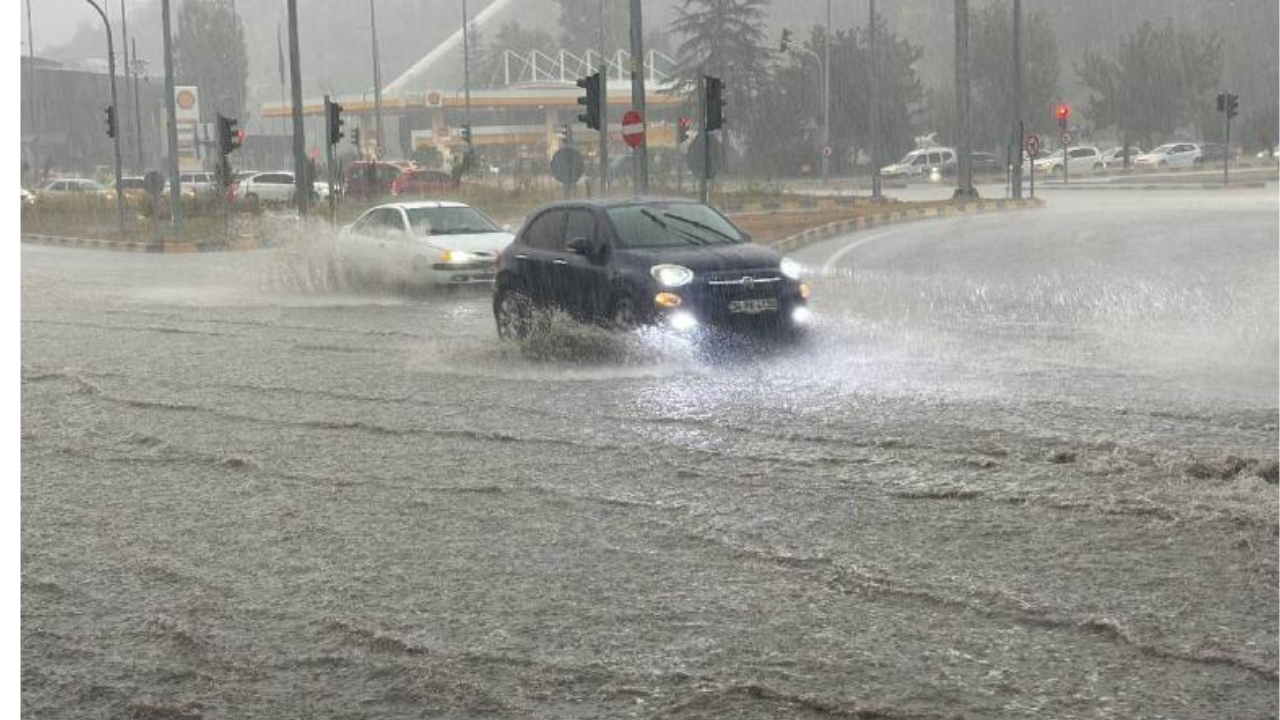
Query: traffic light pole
[329,142]
[1226,149]
[641,153]
[115,115]
[604,111]
[175,180]
[704,178]
[301,170]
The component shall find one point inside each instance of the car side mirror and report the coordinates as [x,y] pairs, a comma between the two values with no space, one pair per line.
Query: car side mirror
[581,246]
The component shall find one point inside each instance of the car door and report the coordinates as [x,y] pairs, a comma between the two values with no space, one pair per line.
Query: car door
[581,281]
[541,244]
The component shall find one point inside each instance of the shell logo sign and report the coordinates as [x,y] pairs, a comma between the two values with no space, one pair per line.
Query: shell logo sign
[186,99]
[433,98]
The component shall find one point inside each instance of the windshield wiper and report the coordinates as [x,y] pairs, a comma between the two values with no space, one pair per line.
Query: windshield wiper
[703,226]
[663,224]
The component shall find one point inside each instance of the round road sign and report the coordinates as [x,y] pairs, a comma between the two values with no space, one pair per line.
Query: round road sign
[1065,137]
[1033,145]
[633,128]
[567,165]
[826,151]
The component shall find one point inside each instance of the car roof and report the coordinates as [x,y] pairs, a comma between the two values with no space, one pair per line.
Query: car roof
[623,202]
[425,204]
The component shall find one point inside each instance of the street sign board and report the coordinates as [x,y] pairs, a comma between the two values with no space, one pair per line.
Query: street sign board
[633,128]
[1066,137]
[826,151]
[567,165]
[1033,145]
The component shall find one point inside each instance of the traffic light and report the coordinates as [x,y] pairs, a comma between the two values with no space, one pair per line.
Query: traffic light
[682,130]
[466,134]
[591,100]
[786,40]
[228,137]
[1233,105]
[715,103]
[355,137]
[111,121]
[1222,102]
[333,121]
[566,133]
[1064,113]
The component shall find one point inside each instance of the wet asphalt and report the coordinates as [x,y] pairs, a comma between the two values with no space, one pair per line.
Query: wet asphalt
[1024,465]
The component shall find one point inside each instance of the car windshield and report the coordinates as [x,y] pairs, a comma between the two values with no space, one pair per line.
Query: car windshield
[908,158]
[676,225]
[1162,150]
[449,221]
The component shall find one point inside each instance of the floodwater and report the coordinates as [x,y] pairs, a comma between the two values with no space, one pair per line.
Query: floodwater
[1024,466]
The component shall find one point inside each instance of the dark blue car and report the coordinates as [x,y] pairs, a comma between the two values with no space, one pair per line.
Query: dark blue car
[626,263]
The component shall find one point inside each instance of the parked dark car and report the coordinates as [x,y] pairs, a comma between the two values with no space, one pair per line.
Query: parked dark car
[421,182]
[626,263]
[370,179]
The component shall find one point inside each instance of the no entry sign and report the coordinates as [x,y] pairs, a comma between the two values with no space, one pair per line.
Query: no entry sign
[633,128]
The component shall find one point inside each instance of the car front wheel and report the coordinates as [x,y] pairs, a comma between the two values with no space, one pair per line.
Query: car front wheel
[624,316]
[515,314]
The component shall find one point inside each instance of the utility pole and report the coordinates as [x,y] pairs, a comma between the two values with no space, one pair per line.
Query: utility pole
[466,84]
[964,171]
[175,188]
[826,95]
[301,170]
[134,68]
[640,156]
[1016,118]
[705,136]
[377,77]
[124,42]
[875,103]
[115,113]
[604,110]
[30,90]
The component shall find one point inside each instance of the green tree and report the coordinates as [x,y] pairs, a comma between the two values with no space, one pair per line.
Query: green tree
[726,39]
[991,44]
[1158,82]
[490,71]
[210,53]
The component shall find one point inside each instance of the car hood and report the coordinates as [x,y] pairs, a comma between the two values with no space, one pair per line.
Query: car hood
[715,258]
[492,242]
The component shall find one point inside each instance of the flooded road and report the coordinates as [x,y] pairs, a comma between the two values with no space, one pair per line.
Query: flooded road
[1024,466]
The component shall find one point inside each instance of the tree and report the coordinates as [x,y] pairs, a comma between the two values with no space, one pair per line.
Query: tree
[991,43]
[210,53]
[580,25]
[1158,82]
[726,39]
[490,72]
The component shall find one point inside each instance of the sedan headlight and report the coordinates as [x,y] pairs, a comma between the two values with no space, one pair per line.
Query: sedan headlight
[671,275]
[790,268]
[457,256]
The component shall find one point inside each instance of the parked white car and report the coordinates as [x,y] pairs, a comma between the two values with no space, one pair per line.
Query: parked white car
[266,187]
[1079,159]
[72,186]
[198,183]
[921,162]
[1114,157]
[423,243]
[1170,155]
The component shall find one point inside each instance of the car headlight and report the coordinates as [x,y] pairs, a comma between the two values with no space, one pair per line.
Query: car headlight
[790,268]
[457,256]
[671,275]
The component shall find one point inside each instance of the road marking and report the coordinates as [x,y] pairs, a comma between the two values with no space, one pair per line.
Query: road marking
[829,265]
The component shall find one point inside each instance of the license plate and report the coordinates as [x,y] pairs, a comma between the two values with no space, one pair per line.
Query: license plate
[754,306]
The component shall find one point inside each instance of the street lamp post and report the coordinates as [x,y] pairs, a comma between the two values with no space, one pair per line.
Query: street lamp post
[377,80]
[115,109]
[466,84]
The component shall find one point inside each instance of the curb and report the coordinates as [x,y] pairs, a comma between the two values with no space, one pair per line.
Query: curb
[1149,187]
[163,246]
[895,217]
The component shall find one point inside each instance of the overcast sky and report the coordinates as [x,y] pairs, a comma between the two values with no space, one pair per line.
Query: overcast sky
[53,22]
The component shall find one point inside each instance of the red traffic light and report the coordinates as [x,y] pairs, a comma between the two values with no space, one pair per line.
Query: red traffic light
[1064,111]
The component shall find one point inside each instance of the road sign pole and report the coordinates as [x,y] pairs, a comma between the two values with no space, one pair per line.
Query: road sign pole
[640,153]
